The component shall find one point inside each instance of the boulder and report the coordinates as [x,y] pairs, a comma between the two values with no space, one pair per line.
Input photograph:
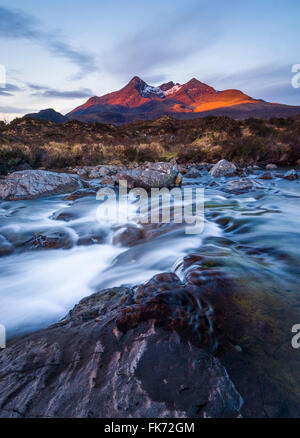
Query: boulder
[271,166]
[82,193]
[192,173]
[29,184]
[154,175]
[290,175]
[128,235]
[6,248]
[266,175]
[223,168]
[50,240]
[121,353]
[240,185]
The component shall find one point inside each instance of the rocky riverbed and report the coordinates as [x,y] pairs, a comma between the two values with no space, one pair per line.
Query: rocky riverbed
[146,320]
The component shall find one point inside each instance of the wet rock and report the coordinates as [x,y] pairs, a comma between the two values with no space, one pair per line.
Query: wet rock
[266,175]
[223,168]
[80,194]
[128,236]
[50,240]
[6,248]
[271,166]
[239,186]
[290,175]
[29,184]
[178,180]
[120,353]
[192,173]
[66,216]
[90,240]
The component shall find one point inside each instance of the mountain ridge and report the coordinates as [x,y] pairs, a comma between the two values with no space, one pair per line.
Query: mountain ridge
[138,100]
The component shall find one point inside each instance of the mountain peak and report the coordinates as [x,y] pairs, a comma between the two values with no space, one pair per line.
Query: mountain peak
[139,100]
[135,80]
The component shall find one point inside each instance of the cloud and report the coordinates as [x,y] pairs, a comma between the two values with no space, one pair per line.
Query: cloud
[16,24]
[14,110]
[271,82]
[43,91]
[163,43]
[8,89]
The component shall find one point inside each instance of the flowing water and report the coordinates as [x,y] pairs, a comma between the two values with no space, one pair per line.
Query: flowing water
[253,237]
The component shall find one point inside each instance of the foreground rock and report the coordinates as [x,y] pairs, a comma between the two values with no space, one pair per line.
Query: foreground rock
[223,168]
[29,184]
[121,353]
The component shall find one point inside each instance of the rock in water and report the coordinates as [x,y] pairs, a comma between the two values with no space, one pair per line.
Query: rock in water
[156,175]
[291,175]
[120,353]
[240,186]
[30,184]
[266,175]
[223,168]
[271,166]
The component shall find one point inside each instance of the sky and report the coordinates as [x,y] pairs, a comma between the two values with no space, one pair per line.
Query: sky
[58,53]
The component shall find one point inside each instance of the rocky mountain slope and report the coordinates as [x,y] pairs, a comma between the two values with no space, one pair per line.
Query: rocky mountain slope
[140,101]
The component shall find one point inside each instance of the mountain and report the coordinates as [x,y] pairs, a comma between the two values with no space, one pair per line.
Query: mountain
[48,114]
[140,101]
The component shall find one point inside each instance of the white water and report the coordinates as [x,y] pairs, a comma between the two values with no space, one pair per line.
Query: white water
[40,287]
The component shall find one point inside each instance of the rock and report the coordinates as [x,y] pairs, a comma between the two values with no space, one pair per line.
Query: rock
[50,240]
[94,173]
[290,175]
[128,236]
[192,173]
[182,169]
[80,194]
[90,240]
[6,248]
[156,175]
[223,168]
[30,184]
[204,166]
[121,353]
[178,180]
[266,175]
[65,215]
[271,166]
[108,180]
[239,186]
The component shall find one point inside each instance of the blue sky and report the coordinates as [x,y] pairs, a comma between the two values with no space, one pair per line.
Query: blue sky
[58,53]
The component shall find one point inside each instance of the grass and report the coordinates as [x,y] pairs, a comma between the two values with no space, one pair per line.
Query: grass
[42,144]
